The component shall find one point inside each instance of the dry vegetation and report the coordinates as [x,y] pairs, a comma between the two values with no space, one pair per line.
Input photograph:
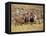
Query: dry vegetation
[26,27]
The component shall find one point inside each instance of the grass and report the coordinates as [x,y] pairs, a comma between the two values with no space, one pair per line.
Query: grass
[26,27]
